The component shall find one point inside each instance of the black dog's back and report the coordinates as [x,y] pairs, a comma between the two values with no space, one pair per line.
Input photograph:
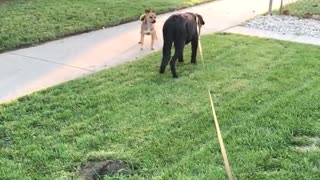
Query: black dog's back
[169,32]
[179,29]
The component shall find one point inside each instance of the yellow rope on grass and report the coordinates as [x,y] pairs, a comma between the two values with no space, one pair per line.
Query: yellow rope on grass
[220,139]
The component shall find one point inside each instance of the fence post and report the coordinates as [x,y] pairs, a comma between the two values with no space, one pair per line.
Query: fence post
[281,7]
[270,7]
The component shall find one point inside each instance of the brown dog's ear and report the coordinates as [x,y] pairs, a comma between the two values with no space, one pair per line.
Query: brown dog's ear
[147,11]
[142,17]
[201,21]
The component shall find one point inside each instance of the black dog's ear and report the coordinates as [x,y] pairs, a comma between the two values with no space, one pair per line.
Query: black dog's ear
[201,21]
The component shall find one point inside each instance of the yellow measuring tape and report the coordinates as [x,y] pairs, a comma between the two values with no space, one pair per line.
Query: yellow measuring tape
[223,150]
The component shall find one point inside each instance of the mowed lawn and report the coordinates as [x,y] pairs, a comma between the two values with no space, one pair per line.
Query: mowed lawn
[24,23]
[303,7]
[267,100]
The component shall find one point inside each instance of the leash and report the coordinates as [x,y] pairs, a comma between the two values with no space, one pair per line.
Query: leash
[220,139]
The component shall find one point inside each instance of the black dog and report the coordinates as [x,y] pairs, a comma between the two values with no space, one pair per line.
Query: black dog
[180,29]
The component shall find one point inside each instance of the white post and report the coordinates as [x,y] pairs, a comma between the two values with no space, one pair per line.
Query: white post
[270,7]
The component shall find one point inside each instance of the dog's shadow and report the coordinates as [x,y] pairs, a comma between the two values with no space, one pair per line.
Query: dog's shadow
[151,67]
[187,70]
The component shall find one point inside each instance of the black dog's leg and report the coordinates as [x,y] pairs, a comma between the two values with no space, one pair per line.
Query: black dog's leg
[194,48]
[166,50]
[163,65]
[166,55]
[180,59]
[173,66]
[177,55]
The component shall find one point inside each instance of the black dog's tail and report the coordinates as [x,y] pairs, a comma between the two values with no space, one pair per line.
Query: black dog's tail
[168,35]
[167,45]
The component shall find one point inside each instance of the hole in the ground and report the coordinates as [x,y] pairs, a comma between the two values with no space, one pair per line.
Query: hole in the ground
[306,143]
[5,140]
[95,170]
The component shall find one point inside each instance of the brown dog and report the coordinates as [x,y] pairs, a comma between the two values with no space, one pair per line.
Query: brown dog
[147,27]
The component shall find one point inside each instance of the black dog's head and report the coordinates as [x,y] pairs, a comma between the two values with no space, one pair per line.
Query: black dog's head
[200,20]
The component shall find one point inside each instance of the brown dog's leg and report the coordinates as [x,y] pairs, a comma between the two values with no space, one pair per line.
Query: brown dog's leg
[141,40]
[153,37]
[141,31]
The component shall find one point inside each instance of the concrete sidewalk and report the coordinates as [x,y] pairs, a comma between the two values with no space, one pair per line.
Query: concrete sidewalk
[32,69]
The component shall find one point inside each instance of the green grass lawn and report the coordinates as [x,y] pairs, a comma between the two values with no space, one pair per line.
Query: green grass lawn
[301,7]
[24,23]
[266,94]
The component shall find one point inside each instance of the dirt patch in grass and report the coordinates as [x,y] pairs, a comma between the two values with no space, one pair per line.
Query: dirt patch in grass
[5,140]
[98,169]
[305,143]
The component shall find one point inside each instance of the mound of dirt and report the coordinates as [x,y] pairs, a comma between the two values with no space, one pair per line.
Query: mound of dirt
[97,169]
